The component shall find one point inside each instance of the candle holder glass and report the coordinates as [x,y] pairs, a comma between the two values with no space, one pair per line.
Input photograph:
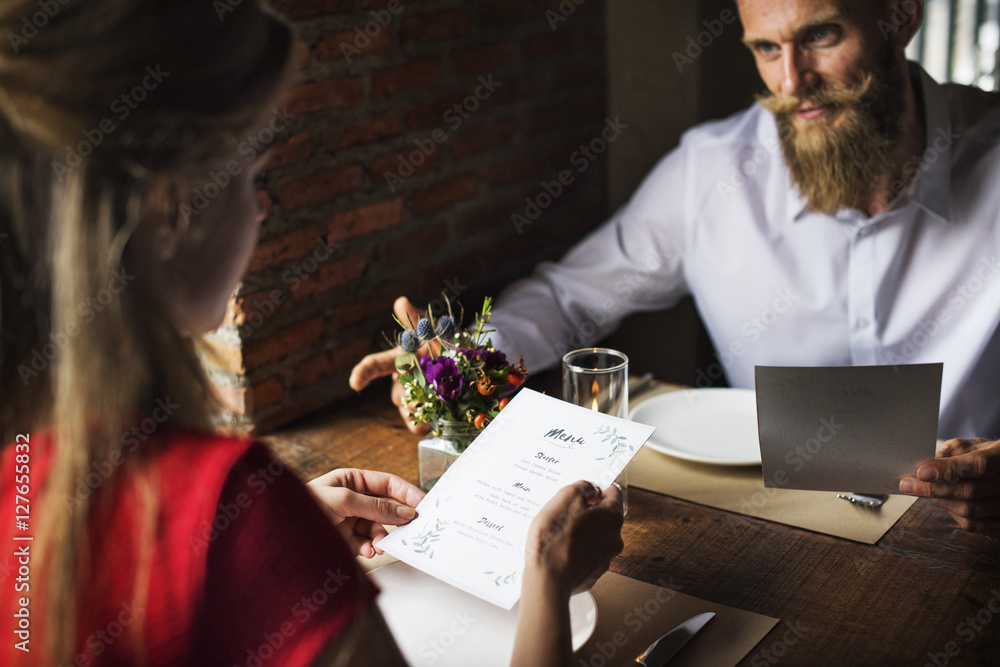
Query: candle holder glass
[597,378]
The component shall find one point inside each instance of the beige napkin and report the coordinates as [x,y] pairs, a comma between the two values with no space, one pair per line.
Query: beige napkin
[741,490]
[632,614]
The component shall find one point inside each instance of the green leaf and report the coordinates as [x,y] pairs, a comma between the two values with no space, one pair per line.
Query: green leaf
[405,362]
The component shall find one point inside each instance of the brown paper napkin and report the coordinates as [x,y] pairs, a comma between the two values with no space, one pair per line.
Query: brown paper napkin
[632,614]
[741,490]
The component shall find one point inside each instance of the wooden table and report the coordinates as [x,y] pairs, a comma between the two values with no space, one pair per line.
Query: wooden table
[927,594]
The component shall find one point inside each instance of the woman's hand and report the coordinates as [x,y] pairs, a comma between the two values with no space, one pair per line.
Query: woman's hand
[360,501]
[576,534]
[380,364]
[570,544]
[965,480]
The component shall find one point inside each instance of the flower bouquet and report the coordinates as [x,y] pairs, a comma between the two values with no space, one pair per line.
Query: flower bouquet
[458,385]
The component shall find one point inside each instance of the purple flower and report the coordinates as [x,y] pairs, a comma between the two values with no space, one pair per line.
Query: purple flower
[442,373]
[493,360]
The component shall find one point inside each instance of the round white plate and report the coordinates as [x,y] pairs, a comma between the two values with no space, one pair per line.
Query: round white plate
[717,426]
[435,623]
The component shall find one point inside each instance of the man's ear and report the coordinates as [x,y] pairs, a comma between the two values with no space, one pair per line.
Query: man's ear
[903,20]
[169,221]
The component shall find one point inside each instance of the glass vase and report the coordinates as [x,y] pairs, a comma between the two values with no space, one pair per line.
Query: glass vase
[436,453]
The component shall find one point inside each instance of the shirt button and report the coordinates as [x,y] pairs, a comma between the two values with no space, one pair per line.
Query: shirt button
[862,323]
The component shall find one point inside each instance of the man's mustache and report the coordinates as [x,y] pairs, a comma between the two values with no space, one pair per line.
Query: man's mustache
[781,104]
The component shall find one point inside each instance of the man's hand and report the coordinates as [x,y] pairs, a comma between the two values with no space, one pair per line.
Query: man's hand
[965,480]
[360,501]
[380,364]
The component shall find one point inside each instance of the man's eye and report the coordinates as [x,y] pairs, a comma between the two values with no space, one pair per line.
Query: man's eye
[822,34]
[765,49]
[260,181]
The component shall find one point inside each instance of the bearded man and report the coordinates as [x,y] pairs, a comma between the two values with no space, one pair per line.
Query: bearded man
[850,217]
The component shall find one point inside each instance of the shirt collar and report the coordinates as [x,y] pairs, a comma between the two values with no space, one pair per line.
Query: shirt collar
[933,178]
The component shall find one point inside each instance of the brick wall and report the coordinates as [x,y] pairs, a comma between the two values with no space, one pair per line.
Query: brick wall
[415,133]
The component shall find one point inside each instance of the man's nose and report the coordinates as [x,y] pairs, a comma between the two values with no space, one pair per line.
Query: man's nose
[797,74]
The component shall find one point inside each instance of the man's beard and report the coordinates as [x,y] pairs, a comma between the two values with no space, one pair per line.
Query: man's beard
[839,160]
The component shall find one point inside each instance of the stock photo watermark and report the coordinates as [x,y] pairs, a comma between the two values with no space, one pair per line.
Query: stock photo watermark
[31,24]
[562,12]
[121,109]
[796,458]
[249,150]
[778,649]
[983,273]
[581,158]
[969,629]
[633,621]
[363,35]
[130,441]
[302,611]
[227,513]
[696,44]
[87,312]
[454,117]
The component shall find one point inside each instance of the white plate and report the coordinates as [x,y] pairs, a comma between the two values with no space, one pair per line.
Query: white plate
[435,623]
[716,426]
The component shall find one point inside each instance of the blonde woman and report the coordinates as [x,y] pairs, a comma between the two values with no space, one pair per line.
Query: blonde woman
[156,539]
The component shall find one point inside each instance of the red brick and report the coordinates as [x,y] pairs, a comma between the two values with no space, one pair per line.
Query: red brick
[338,360]
[331,276]
[404,77]
[392,165]
[482,59]
[272,252]
[267,393]
[366,220]
[324,95]
[417,244]
[285,342]
[251,308]
[319,188]
[369,305]
[347,44]
[299,9]
[297,149]
[431,112]
[436,26]
[480,138]
[528,168]
[445,193]
[364,132]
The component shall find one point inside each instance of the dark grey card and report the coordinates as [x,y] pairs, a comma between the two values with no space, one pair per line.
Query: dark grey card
[846,428]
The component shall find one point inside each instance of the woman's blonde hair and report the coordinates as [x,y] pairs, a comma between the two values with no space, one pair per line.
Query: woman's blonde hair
[99,101]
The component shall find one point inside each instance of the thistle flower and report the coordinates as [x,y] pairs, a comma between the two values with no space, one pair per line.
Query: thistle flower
[408,341]
[445,326]
[424,329]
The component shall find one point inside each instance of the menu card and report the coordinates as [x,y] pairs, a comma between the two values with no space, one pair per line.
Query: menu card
[846,428]
[471,528]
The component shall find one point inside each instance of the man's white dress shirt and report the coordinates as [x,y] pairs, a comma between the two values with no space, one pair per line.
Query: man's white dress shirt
[718,218]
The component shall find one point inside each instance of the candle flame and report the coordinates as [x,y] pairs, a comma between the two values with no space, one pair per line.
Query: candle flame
[594,391]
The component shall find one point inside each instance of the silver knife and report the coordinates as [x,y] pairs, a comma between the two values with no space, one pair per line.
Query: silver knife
[663,649]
